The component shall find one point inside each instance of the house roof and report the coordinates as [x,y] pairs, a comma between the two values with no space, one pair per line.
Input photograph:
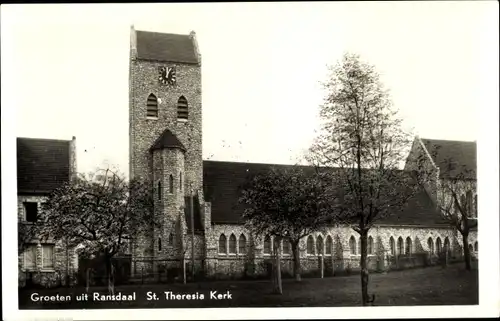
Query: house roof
[167,140]
[461,155]
[166,47]
[42,164]
[223,182]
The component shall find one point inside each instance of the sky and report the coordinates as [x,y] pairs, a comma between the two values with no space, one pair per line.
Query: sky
[65,70]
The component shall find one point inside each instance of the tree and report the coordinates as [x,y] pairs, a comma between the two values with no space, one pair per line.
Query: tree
[288,203]
[362,137]
[457,202]
[98,214]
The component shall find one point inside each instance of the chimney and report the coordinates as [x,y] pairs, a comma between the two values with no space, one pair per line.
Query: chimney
[133,43]
[72,159]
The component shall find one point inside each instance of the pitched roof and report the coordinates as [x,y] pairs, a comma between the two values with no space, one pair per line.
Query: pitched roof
[42,164]
[167,140]
[461,155]
[166,47]
[223,181]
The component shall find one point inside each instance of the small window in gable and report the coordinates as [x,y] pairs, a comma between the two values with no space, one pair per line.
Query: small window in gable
[182,108]
[152,106]
[31,211]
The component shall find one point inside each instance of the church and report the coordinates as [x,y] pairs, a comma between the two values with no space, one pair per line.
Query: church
[197,199]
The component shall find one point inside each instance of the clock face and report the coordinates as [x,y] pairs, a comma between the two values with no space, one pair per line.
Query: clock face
[166,75]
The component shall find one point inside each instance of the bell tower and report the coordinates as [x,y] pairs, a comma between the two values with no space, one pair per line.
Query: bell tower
[165,124]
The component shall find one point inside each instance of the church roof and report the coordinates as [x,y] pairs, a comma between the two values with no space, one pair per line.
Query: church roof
[223,181]
[42,164]
[166,47]
[461,155]
[167,140]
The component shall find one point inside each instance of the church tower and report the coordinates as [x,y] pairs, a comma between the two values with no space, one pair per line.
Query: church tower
[165,119]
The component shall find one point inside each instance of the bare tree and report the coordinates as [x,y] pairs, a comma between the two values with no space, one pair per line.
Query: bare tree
[362,137]
[288,204]
[457,202]
[99,214]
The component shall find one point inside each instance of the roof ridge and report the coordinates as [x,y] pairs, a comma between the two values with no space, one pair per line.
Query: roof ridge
[164,33]
[449,140]
[45,139]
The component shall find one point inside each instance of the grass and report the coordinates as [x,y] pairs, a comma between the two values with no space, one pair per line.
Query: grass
[427,286]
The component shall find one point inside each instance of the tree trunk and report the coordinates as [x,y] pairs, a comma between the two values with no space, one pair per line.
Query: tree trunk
[467,258]
[278,289]
[111,275]
[364,268]
[296,260]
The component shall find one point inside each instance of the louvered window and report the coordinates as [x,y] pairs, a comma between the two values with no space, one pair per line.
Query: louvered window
[182,108]
[152,106]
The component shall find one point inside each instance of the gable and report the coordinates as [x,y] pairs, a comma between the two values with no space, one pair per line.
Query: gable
[42,164]
[166,47]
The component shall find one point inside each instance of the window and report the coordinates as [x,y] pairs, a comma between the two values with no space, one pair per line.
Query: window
[47,256]
[267,245]
[430,245]
[180,181]
[222,244]
[171,184]
[159,190]
[359,245]
[352,245]
[159,244]
[170,239]
[31,211]
[30,256]
[475,246]
[408,246]
[242,244]
[182,108]
[286,246]
[370,245]
[329,245]
[400,246]
[152,106]
[471,249]
[438,245]
[310,245]
[232,244]
[393,246]
[447,244]
[319,245]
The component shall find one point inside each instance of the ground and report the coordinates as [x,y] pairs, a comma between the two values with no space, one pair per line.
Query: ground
[428,286]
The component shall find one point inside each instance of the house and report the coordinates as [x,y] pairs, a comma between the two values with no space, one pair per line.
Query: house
[42,166]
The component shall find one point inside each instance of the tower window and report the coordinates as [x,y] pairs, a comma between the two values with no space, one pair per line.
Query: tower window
[152,106]
[171,185]
[180,181]
[159,190]
[182,108]
[159,244]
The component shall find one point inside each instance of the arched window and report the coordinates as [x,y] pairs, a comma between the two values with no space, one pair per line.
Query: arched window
[471,249]
[182,108]
[439,246]
[152,106]
[393,246]
[170,239]
[370,245]
[267,245]
[159,190]
[286,246]
[310,244]
[352,245]
[222,244]
[180,181]
[447,244]
[171,184]
[475,246]
[319,245]
[408,246]
[430,245]
[329,245]
[400,246]
[232,244]
[242,244]
[159,244]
